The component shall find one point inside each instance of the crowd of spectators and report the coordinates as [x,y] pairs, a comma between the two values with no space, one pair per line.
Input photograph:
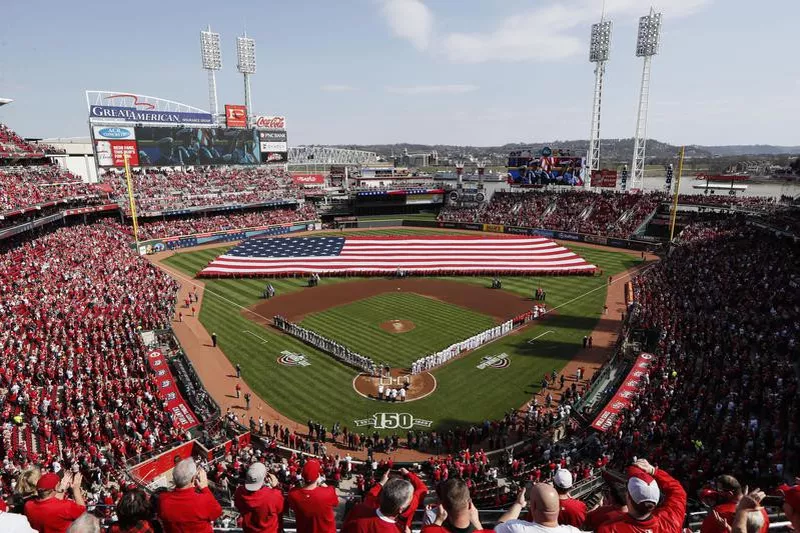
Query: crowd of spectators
[29,186]
[13,143]
[159,190]
[208,223]
[76,391]
[607,213]
[722,394]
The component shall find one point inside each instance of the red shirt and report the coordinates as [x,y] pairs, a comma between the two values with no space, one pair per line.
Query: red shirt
[572,513]
[602,515]
[313,509]
[727,511]
[188,510]
[420,490]
[364,518]
[52,515]
[666,518]
[261,510]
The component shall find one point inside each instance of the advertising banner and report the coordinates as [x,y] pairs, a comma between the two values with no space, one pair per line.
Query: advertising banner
[515,230]
[604,178]
[272,135]
[595,239]
[274,157]
[268,146]
[567,236]
[626,392]
[149,470]
[99,113]
[235,116]
[171,147]
[112,153]
[308,179]
[168,392]
[269,122]
[494,228]
[114,133]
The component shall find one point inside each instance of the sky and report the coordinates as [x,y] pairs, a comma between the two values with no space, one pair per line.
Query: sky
[462,72]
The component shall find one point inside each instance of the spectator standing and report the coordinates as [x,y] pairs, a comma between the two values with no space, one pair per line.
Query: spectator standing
[791,505]
[572,512]
[313,504]
[395,497]
[406,516]
[50,512]
[613,509]
[456,512]
[645,484]
[134,511]
[86,523]
[258,501]
[190,506]
[247,401]
[543,512]
[14,523]
[214,342]
[238,366]
[238,390]
[26,488]
[728,494]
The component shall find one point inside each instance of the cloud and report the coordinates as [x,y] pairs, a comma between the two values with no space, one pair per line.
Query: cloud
[334,88]
[554,30]
[411,20]
[433,89]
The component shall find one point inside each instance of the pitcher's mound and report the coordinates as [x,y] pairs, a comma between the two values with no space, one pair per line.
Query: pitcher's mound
[397,326]
[417,387]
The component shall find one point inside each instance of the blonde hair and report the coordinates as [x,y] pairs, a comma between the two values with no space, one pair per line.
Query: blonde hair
[26,484]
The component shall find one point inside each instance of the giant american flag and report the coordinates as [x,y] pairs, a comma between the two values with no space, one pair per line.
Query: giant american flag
[426,254]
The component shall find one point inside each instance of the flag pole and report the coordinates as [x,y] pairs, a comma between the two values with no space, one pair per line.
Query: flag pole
[130,199]
[675,196]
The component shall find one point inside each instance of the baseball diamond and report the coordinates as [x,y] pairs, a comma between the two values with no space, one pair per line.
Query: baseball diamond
[232,305]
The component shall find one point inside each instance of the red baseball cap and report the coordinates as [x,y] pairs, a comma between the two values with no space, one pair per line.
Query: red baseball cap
[791,495]
[311,471]
[48,481]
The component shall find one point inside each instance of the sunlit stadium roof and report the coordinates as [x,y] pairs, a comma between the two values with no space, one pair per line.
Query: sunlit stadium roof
[4,101]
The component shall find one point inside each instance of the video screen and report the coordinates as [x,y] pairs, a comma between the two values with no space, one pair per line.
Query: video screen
[183,146]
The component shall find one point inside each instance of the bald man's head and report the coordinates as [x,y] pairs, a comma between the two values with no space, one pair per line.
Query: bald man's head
[544,503]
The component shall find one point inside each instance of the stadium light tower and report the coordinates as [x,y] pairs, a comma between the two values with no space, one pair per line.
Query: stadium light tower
[246,52]
[212,62]
[647,44]
[598,54]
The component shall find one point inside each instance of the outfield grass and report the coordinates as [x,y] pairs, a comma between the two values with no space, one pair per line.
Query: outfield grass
[323,391]
[437,326]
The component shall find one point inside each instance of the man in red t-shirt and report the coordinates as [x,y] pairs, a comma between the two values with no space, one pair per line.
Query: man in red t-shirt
[49,513]
[406,516]
[314,504]
[791,504]
[456,513]
[727,494]
[191,506]
[261,505]
[645,486]
[613,508]
[572,512]
[395,497]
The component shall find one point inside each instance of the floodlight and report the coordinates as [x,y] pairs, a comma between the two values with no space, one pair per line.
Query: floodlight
[210,50]
[246,52]
[649,36]
[600,42]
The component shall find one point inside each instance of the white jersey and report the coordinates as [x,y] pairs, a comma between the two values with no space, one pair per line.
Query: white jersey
[523,526]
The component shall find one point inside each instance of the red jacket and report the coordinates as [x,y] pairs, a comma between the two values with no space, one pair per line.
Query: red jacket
[313,509]
[52,515]
[602,515]
[188,510]
[364,518]
[666,518]
[261,510]
[420,490]
[572,512]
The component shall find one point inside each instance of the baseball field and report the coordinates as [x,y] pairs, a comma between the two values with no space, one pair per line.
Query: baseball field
[396,327]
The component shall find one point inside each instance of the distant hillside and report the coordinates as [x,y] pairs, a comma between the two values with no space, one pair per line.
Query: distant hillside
[610,149]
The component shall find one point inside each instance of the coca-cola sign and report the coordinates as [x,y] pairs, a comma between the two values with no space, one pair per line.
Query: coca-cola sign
[270,122]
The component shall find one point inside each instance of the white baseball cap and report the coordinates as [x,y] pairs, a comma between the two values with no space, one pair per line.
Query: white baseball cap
[254,478]
[562,478]
[643,487]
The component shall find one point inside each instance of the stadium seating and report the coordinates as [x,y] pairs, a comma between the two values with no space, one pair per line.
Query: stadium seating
[12,143]
[158,190]
[22,187]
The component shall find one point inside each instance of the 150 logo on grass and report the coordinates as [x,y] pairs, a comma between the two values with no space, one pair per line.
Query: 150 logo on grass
[393,421]
[495,361]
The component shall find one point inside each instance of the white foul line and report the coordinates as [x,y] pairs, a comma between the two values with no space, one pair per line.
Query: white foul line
[263,341]
[530,341]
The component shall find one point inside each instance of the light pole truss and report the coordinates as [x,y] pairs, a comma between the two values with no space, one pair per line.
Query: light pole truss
[647,45]
[598,54]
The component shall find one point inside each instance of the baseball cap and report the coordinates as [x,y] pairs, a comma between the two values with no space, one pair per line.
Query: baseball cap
[311,471]
[562,478]
[48,481]
[254,479]
[642,486]
[791,495]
